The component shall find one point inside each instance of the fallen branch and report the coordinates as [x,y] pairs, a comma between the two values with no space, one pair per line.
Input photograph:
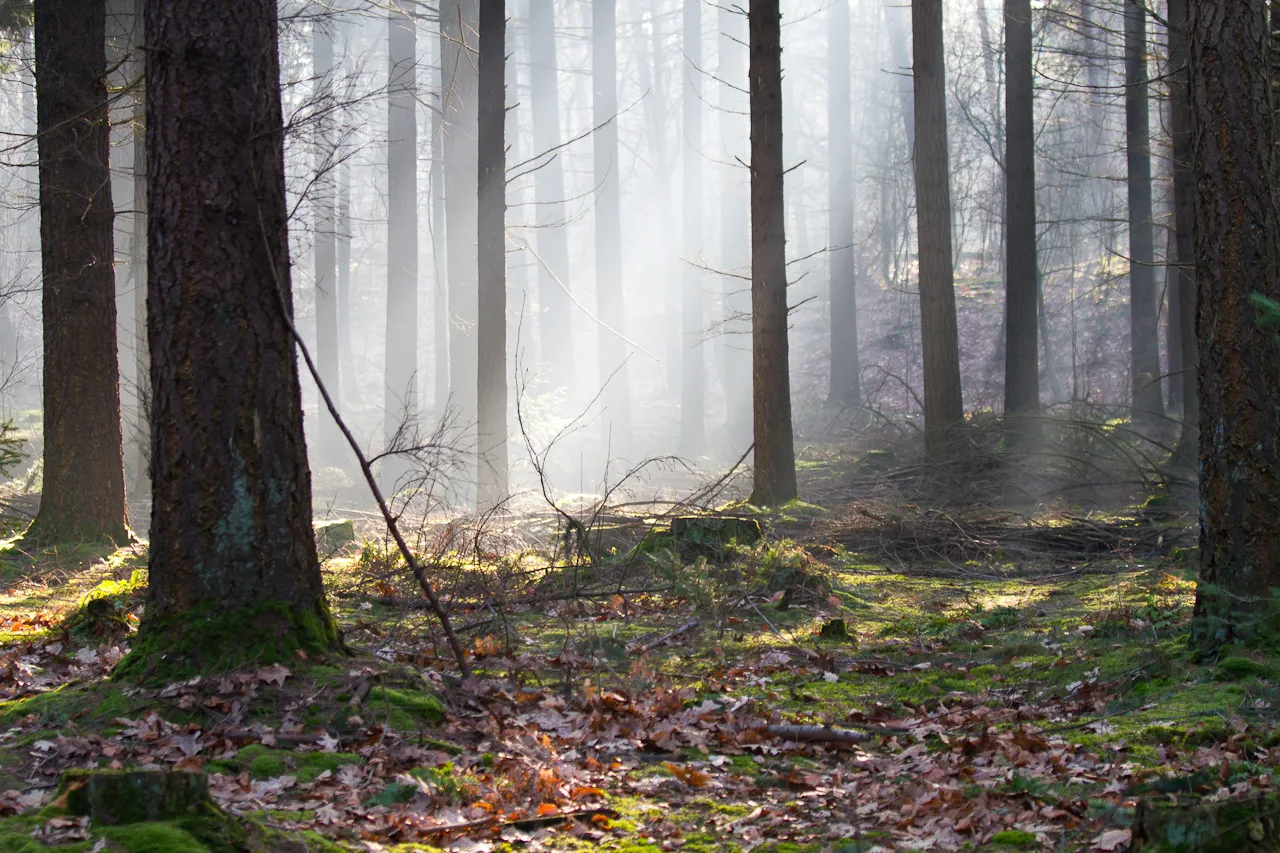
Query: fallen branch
[818,734]
[665,638]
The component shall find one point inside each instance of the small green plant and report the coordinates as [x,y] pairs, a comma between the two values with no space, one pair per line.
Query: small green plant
[10,447]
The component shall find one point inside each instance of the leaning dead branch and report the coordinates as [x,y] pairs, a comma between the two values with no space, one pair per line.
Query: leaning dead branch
[818,734]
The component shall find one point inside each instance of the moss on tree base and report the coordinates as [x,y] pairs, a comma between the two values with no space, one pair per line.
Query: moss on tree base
[112,798]
[207,640]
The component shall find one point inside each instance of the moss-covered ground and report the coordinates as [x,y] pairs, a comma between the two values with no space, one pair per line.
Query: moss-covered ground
[1018,700]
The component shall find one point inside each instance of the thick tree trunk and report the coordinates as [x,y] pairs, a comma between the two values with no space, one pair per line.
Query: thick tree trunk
[735,226]
[1021,367]
[234,573]
[1184,214]
[943,404]
[459,20]
[1236,222]
[492,259]
[325,188]
[775,463]
[1144,366]
[83,495]
[553,239]
[400,389]
[845,390]
[616,422]
[693,369]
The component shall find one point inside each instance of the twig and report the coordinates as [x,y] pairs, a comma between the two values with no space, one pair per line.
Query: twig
[665,638]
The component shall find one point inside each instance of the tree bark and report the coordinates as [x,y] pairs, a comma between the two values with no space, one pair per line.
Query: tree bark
[845,388]
[616,423]
[439,228]
[492,259]
[1022,369]
[400,389]
[233,574]
[1236,223]
[553,239]
[775,465]
[943,404]
[83,496]
[1184,229]
[693,378]
[1144,367]
[325,188]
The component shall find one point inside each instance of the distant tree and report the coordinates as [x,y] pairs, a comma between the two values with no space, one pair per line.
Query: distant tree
[1237,257]
[554,275]
[1182,268]
[15,16]
[83,495]
[735,226]
[1148,403]
[608,212]
[1022,371]
[693,369]
[439,236]
[845,389]
[775,461]
[492,258]
[943,404]
[401,366]
[459,20]
[325,190]
[233,568]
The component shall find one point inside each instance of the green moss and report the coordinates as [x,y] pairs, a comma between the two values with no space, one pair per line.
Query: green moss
[1240,668]
[312,764]
[98,703]
[1015,838]
[207,639]
[404,710]
[263,763]
[154,838]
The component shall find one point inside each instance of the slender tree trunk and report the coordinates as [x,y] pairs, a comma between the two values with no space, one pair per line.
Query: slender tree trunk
[400,388]
[83,496]
[326,244]
[553,239]
[1022,370]
[693,370]
[234,573]
[845,390]
[616,423]
[1236,222]
[735,226]
[492,259]
[346,354]
[775,464]
[943,404]
[459,20]
[1184,214]
[1148,404]
[439,236]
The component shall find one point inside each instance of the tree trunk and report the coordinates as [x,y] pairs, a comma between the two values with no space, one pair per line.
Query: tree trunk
[346,355]
[492,259]
[325,187]
[616,423]
[83,495]
[735,226]
[1236,223]
[1021,367]
[775,462]
[439,228]
[234,573]
[845,390]
[459,20]
[1144,367]
[693,376]
[553,239]
[400,400]
[943,404]
[1184,214]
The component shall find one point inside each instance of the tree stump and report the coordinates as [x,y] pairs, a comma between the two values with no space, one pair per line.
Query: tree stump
[710,534]
[113,798]
[1169,825]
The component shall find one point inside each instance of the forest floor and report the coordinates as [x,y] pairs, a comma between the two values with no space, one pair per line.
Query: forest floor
[1003,682]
